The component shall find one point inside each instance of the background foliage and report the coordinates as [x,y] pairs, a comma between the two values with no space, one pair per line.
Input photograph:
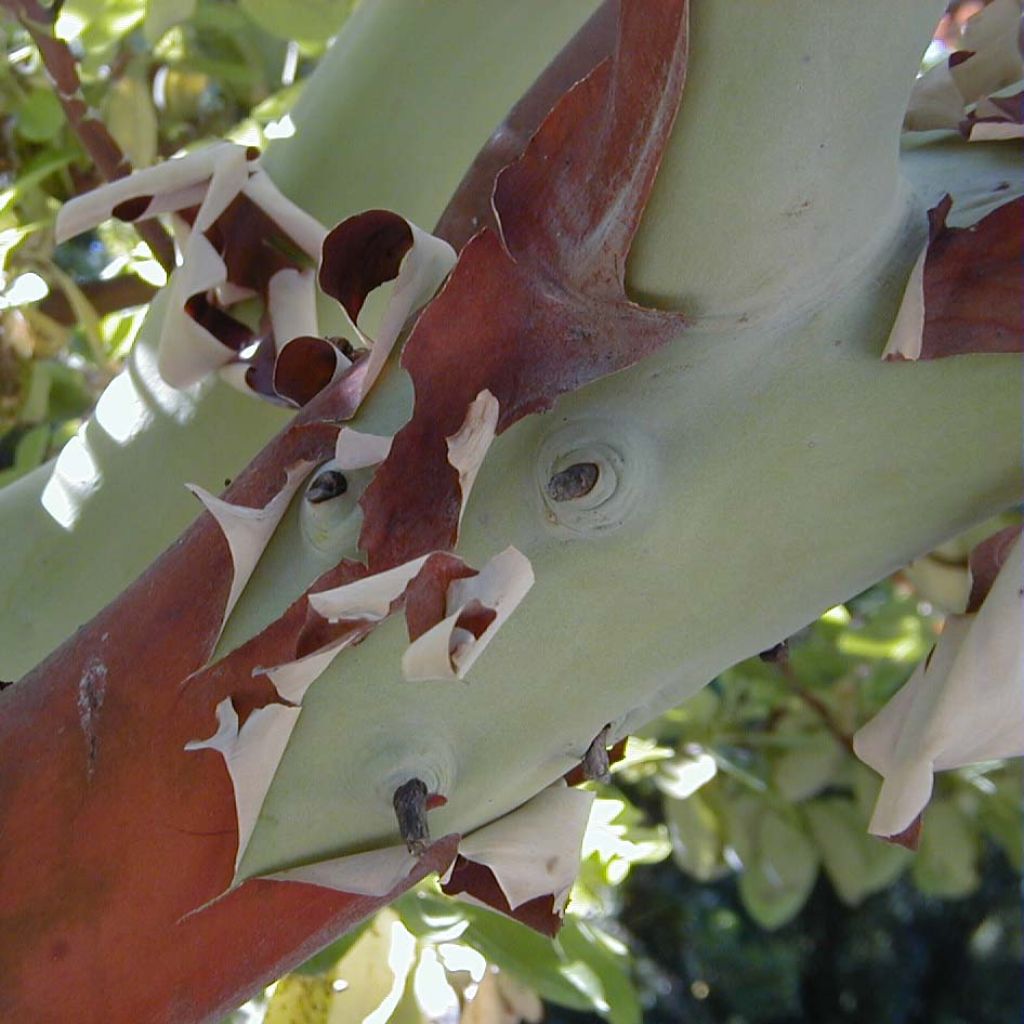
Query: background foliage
[728,876]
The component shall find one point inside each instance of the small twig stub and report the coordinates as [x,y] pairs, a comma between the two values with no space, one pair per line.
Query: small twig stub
[410,802]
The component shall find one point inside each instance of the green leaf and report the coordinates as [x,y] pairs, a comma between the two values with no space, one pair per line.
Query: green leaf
[131,119]
[776,883]
[808,767]
[35,402]
[696,835]
[39,116]
[308,21]
[99,25]
[999,814]
[947,860]
[856,863]
[513,947]
[28,453]
[39,167]
[162,15]
[300,1000]
[607,962]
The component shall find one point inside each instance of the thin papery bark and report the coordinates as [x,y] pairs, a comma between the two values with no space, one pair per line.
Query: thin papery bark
[995,118]
[372,249]
[987,60]
[966,291]
[253,749]
[525,863]
[247,750]
[468,446]
[240,237]
[146,808]
[356,450]
[476,607]
[248,530]
[539,308]
[373,873]
[370,598]
[177,182]
[963,704]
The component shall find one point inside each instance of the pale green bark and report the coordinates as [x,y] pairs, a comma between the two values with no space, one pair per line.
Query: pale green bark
[771,466]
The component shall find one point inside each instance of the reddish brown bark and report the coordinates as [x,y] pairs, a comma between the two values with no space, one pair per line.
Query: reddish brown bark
[537,306]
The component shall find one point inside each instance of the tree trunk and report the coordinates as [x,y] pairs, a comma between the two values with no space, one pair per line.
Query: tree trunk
[765,465]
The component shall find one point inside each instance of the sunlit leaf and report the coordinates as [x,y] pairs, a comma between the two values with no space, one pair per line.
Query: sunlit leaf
[776,882]
[29,453]
[513,947]
[300,1000]
[131,119]
[857,864]
[808,766]
[696,835]
[39,116]
[162,15]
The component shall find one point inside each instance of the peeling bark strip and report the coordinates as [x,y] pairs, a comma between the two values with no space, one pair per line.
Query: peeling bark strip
[108,866]
[966,291]
[525,863]
[538,307]
[963,704]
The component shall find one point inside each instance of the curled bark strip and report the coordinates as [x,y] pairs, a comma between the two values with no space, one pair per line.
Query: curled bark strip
[356,450]
[966,291]
[963,704]
[254,247]
[240,237]
[304,367]
[374,873]
[468,446]
[426,597]
[995,118]
[986,561]
[525,863]
[248,530]
[988,61]
[362,253]
[476,607]
[477,884]
[540,309]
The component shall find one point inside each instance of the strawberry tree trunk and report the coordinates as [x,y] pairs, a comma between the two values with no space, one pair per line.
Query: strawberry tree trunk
[760,463]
